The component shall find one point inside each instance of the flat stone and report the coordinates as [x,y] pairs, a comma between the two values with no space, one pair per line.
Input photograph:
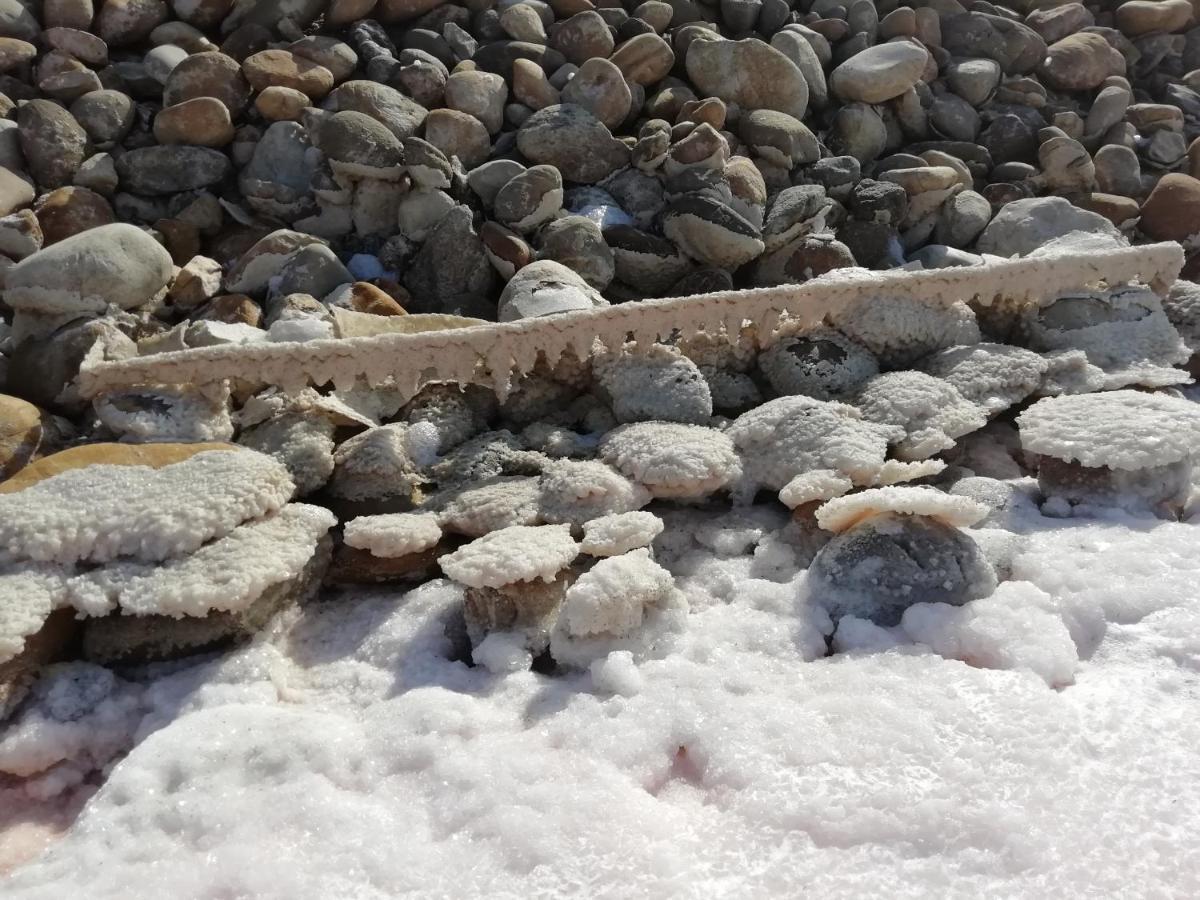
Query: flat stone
[169,169]
[879,73]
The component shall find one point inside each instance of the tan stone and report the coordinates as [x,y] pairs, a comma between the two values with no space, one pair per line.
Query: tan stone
[15,191]
[201,121]
[15,52]
[458,134]
[236,309]
[1172,211]
[281,104]
[70,210]
[367,298]
[644,59]
[208,75]
[282,67]
[20,434]
[531,86]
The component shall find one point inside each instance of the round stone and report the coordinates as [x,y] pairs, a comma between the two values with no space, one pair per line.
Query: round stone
[203,122]
[1172,211]
[208,75]
[71,210]
[645,59]
[749,73]
[530,199]
[572,140]
[600,88]
[879,73]
[284,68]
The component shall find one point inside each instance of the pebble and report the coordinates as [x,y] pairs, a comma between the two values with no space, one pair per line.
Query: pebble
[879,73]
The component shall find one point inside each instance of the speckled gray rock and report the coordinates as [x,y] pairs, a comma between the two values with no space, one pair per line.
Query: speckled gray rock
[879,73]
[572,140]
[169,169]
[52,141]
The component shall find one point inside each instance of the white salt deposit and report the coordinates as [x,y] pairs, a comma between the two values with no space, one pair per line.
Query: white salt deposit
[393,534]
[345,754]
[619,533]
[843,512]
[516,553]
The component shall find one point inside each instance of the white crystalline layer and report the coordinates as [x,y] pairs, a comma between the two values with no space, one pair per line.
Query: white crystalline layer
[273,771]
[789,436]
[844,512]
[460,354]
[611,597]
[491,504]
[900,330]
[518,553]
[623,603]
[78,713]
[1011,629]
[672,460]
[393,534]
[1118,429]
[28,595]
[819,484]
[894,471]
[227,575]
[992,376]
[931,411]
[102,512]
[576,491]
[619,533]
[163,413]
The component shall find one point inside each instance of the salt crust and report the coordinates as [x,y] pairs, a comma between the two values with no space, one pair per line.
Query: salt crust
[1118,429]
[819,484]
[166,413]
[517,553]
[272,771]
[842,513]
[931,411]
[455,354]
[26,600]
[672,460]
[228,574]
[137,511]
[303,442]
[619,533]
[393,534]
[992,376]
[491,504]
[654,383]
[623,603]
[789,436]
[576,491]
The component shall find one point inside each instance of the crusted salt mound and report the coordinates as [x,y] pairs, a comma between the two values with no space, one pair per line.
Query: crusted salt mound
[1125,332]
[619,533]
[842,513]
[226,575]
[654,384]
[789,436]
[900,330]
[1017,627]
[518,553]
[495,503]
[577,491]
[623,603]
[819,484]
[821,363]
[1069,372]
[302,442]
[102,512]
[894,471]
[393,535]
[1118,429]
[376,463]
[167,413]
[931,411]
[992,376]
[28,594]
[672,460]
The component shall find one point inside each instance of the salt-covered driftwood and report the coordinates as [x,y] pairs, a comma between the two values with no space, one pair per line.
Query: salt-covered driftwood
[489,354]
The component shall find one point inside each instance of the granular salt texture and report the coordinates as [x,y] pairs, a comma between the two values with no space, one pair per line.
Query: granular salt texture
[623,603]
[888,561]
[1116,429]
[672,459]
[456,414]
[619,533]
[1124,332]
[991,376]
[518,553]
[137,511]
[842,513]
[900,330]
[485,456]
[1182,306]
[1011,629]
[745,737]
[489,505]
[375,464]
[227,575]
[931,411]
[732,392]
[789,436]
[657,383]
[167,414]
[894,471]
[819,484]
[822,363]
[575,491]
[1069,372]
[28,594]
[303,442]
[557,441]
[394,534]
[76,714]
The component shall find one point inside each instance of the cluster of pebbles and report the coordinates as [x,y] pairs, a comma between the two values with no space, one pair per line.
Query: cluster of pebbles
[207,172]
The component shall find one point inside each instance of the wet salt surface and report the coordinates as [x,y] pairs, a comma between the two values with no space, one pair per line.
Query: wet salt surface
[345,755]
